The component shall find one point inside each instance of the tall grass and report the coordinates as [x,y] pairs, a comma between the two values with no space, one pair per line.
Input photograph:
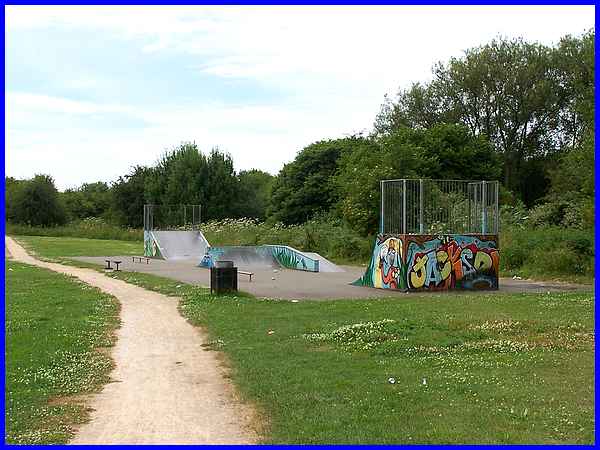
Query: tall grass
[91,228]
[547,252]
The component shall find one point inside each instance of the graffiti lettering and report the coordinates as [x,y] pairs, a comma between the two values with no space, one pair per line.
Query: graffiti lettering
[418,273]
[416,262]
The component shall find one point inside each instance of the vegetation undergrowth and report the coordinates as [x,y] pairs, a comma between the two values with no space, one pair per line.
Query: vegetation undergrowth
[54,328]
[89,228]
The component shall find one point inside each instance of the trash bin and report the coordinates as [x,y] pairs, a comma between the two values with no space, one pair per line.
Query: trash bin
[223,277]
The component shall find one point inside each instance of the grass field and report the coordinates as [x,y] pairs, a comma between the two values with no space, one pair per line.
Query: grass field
[56,248]
[488,369]
[466,369]
[53,326]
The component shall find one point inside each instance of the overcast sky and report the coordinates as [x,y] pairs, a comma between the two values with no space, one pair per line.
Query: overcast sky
[92,91]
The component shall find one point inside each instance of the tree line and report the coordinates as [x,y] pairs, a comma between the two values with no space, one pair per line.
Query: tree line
[510,110]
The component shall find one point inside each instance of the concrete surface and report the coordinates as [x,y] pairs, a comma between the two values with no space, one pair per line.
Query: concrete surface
[296,284]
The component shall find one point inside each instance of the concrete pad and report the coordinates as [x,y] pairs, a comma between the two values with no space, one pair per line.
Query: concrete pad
[295,284]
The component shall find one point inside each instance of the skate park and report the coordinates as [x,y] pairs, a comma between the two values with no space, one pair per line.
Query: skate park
[176,248]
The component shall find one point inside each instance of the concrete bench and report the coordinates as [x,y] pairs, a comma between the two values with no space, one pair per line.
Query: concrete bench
[246,273]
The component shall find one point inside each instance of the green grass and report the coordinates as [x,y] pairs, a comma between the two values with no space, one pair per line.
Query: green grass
[58,248]
[91,228]
[54,324]
[497,368]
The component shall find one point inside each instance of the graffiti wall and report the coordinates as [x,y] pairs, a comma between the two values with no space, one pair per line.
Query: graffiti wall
[271,256]
[386,269]
[429,262]
[150,247]
[290,258]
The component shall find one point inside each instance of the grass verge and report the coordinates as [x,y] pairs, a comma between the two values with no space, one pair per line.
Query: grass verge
[466,369]
[59,248]
[54,328]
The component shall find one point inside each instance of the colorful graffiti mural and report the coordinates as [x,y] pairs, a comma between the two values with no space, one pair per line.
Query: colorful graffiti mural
[386,269]
[150,247]
[428,262]
[262,255]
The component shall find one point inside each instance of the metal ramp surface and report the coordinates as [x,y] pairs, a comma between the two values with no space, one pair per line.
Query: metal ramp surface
[180,244]
[324,264]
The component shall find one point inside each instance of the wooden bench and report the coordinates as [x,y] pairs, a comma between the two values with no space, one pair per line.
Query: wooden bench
[140,259]
[242,272]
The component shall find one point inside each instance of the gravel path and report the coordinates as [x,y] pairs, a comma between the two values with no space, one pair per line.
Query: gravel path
[165,388]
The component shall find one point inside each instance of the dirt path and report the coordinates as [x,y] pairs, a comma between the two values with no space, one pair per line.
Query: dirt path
[166,389]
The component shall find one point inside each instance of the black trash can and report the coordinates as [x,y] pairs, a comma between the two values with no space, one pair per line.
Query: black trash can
[223,277]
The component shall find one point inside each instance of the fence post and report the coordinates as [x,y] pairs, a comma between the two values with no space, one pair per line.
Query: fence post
[421,227]
[404,206]
[382,211]
[483,208]
[497,218]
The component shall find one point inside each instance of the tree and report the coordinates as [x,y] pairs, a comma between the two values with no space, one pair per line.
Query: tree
[358,182]
[527,98]
[443,151]
[222,187]
[128,197]
[254,189]
[36,202]
[304,187]
[89,200]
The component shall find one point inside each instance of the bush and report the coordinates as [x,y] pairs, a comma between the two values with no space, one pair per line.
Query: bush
[550,251]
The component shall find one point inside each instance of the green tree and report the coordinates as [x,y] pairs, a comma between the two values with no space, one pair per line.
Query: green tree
[530,100]
[254,190]
[222,187]
[89,200]
[36,202]
[442,151]
[304,187]
[128,197]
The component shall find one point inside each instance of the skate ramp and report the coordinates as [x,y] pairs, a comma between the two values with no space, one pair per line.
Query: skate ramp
[261,257]
[244,257]
[324,264]
[173,245]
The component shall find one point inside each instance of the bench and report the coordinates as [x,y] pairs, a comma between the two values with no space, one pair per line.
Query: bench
[140,259]
[246,273]
[109,267]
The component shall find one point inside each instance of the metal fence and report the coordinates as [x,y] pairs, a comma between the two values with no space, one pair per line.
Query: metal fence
[166,217]
[422,206]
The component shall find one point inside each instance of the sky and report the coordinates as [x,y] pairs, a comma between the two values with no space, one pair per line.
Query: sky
[92,91]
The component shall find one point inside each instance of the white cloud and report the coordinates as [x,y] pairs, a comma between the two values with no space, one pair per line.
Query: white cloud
[333,65]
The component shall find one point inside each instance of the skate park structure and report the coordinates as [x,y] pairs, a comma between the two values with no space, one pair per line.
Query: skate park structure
[172,232]
[436,235]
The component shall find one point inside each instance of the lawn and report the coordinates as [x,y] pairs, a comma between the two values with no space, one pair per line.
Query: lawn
[54,324]
[444,368]
[57,248]
[466,369]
